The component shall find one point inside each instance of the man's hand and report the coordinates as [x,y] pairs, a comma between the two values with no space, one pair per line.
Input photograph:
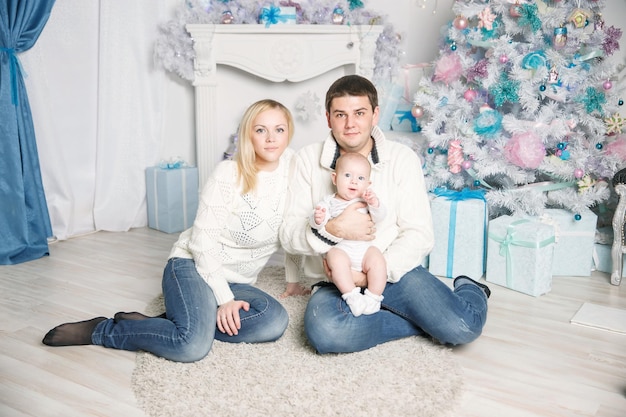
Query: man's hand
[358,277]
[228,320]
[352,224]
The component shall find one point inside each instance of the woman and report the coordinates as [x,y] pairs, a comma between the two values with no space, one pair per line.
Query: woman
[208,280]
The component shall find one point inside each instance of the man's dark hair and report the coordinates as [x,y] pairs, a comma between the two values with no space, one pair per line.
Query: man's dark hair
[352,85]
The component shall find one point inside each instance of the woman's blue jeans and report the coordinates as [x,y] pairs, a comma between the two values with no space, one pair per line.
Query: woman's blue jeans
[187,334]
[419,304]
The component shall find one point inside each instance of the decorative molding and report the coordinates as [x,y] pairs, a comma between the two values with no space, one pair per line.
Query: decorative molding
[278,53]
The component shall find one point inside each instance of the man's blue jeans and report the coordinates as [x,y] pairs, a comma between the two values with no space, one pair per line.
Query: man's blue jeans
[419,304]
[187,334]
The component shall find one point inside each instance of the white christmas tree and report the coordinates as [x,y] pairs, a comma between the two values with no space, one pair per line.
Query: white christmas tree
[524,103]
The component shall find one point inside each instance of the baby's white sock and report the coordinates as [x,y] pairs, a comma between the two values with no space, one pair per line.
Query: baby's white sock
[372,302]
[356,301]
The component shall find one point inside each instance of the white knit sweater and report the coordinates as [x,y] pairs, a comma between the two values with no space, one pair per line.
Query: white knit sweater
[234,235]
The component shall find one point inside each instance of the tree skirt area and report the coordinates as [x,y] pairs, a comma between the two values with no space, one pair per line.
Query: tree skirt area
[408,377]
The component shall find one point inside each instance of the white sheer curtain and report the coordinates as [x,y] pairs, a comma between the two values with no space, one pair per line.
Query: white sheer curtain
[98,105]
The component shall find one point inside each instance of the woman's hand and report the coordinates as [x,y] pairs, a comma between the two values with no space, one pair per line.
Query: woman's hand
[228,320]
[295,288]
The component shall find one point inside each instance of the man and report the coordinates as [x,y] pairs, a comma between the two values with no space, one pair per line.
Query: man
[415,302]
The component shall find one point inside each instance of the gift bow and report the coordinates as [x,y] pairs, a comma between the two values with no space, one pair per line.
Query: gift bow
[510,240]
[455,197]
[173,164]
[272,16]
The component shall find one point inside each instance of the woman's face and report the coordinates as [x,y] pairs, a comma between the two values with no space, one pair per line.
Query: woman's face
[270,137]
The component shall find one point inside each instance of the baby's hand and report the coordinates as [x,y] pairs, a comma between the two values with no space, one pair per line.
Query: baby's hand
[319,215]
[370,197]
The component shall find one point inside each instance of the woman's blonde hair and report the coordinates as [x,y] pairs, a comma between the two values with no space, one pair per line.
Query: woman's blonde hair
[245,157]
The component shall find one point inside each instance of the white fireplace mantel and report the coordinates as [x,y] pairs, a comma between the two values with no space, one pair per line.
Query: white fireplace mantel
[277,53]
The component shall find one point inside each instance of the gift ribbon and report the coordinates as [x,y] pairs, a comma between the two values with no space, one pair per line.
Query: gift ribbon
[272,16]
[510,240]
[455,197]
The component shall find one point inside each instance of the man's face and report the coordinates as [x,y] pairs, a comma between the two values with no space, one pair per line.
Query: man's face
[351,119]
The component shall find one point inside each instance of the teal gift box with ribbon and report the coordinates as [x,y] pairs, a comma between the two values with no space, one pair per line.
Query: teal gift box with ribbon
[574,240]
[459,225]
[274,15]
[520,253]
[172,197]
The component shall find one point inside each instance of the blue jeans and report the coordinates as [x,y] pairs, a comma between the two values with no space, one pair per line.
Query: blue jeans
[419,304]
[187,334]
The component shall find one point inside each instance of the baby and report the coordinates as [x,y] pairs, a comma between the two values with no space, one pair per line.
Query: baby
[352,180]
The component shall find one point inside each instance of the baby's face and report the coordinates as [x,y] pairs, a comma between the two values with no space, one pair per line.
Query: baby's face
[352,180]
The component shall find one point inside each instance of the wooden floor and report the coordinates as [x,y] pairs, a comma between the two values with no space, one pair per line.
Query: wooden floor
[529,362]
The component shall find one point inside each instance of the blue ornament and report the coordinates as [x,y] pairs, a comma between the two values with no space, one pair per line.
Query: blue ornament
[599,146]
[565,155]
[431,150]
[620,102]
[577,217]
[476,183]
[561,145]
[542,87]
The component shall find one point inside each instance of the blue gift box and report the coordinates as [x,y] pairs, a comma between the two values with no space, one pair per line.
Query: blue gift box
[459,225]
[520,253]
[574,240]
[172,197]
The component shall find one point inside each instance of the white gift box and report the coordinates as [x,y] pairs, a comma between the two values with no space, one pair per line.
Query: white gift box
[520,252]
[574,240]
[459,223]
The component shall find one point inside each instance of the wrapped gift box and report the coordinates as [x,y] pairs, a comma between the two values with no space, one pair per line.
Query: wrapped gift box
[172,196]
[520,252]
[278,16]
[574,240]
[403,120]
[459,223]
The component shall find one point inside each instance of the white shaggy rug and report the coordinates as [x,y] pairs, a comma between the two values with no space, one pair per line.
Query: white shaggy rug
[409,377]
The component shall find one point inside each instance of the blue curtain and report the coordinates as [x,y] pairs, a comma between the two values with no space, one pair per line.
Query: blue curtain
[24,219]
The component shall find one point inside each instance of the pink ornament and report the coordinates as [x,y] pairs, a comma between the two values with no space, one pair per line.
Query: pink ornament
[617,147]
[470,95]
[466,165]
[607,85]
[504,59]
[525,150]
[448,68]
[460,23]
[579,173]
[515,10]
[455,156]
[227,17]
[417,112]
